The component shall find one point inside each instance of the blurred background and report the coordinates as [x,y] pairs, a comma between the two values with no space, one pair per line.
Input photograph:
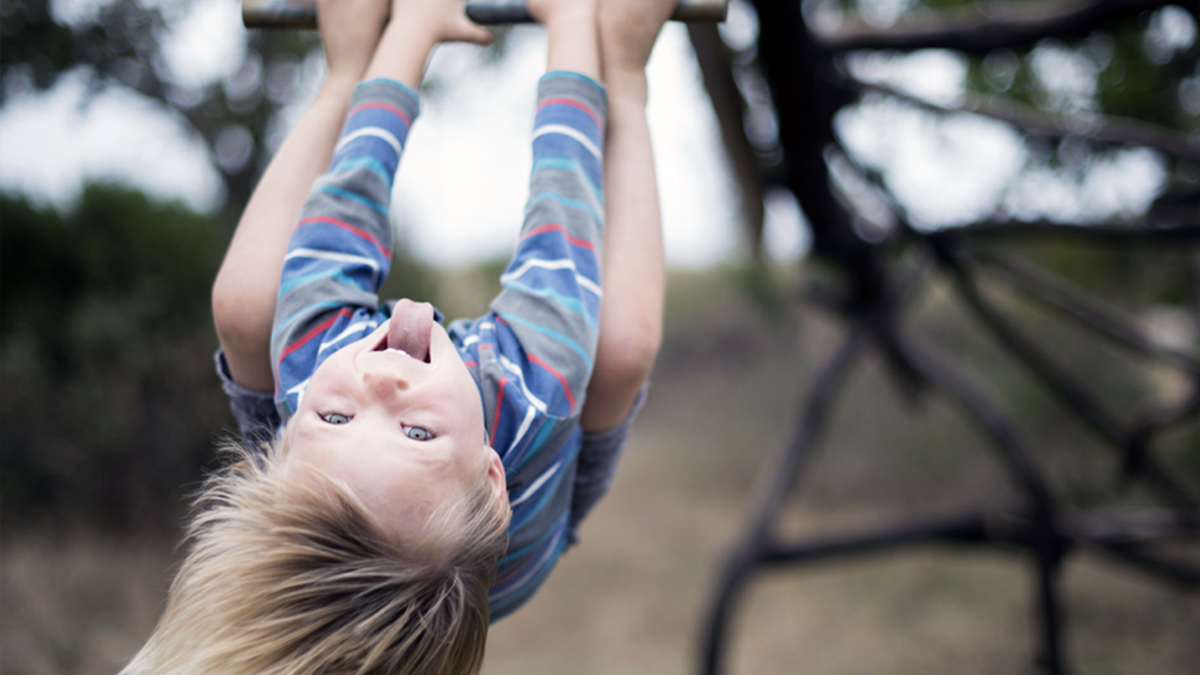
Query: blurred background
[131,135]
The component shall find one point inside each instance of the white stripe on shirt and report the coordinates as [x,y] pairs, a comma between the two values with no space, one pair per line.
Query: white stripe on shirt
[560,264]
[357,325]
[524,427]
[520,378]
[331,255]
[533,487]
[568,131]
[377,132]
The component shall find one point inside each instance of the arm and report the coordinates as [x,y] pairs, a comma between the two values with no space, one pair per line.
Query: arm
[634,274]
[340,250]
[547,315]
[247,284]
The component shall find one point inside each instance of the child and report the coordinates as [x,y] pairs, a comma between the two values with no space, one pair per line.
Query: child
[402,460]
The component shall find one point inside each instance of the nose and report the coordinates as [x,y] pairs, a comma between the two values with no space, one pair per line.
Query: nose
[385,385]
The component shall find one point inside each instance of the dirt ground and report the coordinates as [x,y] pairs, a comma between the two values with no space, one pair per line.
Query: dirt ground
[630,599]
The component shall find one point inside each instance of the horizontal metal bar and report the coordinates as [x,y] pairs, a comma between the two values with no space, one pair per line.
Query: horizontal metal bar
[303,13]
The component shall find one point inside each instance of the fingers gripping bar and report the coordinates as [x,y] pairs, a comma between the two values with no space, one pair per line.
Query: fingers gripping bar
[303,13]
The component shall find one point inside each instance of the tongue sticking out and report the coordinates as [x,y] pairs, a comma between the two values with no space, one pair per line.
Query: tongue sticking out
[410,327]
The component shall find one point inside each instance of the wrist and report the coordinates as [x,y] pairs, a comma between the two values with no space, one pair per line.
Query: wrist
[626,88]
[402,53]
[574,41]
[342,80]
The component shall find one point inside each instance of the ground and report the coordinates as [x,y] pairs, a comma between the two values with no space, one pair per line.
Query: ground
[631,597]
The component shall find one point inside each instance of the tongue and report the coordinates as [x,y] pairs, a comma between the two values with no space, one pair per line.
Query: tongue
[410,327]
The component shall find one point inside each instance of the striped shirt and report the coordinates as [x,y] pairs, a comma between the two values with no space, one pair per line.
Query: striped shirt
[531,354]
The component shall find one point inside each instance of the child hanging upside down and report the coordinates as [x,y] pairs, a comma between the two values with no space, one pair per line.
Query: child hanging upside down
[407,483]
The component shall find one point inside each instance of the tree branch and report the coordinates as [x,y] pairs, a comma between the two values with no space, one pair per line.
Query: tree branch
[1080,305]
[1108,129]
[714,59]
[1122,234]
[979,29]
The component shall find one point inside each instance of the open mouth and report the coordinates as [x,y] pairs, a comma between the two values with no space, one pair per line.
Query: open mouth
[383,347]
[409,330]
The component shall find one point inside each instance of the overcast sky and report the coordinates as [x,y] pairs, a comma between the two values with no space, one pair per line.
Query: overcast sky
[462,184]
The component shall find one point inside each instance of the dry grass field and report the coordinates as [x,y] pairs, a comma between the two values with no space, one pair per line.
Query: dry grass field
[630,599]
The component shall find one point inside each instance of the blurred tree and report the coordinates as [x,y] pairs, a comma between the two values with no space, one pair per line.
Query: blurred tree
[1097,105]
[1081,80]
[109,407]
[122,45]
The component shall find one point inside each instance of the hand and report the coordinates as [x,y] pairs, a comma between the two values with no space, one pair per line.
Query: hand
[628,30]
[440,21]
[350,30]
[546,12]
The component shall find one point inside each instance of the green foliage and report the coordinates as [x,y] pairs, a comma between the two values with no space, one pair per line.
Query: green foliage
[109,404]
[120,45]
[760,286]
[1128,81]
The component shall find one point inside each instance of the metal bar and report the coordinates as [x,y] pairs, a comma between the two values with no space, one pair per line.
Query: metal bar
[303,13]
[515,11]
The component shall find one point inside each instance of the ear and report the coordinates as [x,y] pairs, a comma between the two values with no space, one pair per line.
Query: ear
[496,477]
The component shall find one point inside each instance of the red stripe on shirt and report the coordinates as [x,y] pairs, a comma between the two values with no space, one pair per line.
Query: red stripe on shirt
[582,243]
[382,106]
[360,233]
[561,379]
[499,400]
[524,566]
[324,325]
[573,104]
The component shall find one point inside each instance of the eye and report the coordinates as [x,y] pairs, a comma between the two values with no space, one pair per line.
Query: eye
[418,433]
[335,418]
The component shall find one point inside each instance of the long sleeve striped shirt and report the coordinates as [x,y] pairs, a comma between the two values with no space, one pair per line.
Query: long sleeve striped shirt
[531,354]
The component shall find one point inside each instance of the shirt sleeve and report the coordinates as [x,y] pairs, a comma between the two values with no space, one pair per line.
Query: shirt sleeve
[544,324]
[532,354]
[341,250]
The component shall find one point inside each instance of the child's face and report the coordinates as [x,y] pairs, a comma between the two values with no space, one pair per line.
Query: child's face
[405,435]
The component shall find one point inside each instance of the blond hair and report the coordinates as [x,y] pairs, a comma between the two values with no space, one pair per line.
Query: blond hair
[293,576]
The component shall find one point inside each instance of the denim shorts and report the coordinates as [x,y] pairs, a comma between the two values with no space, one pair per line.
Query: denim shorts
[259,422]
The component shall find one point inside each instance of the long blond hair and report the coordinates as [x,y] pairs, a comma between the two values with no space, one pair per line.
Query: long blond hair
[292,576]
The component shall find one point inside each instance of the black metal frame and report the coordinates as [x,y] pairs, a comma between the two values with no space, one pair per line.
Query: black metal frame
[807,89]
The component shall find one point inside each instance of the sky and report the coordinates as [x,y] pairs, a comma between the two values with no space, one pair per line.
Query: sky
[460,190]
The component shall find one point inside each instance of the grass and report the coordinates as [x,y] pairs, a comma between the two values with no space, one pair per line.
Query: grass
[630,599]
